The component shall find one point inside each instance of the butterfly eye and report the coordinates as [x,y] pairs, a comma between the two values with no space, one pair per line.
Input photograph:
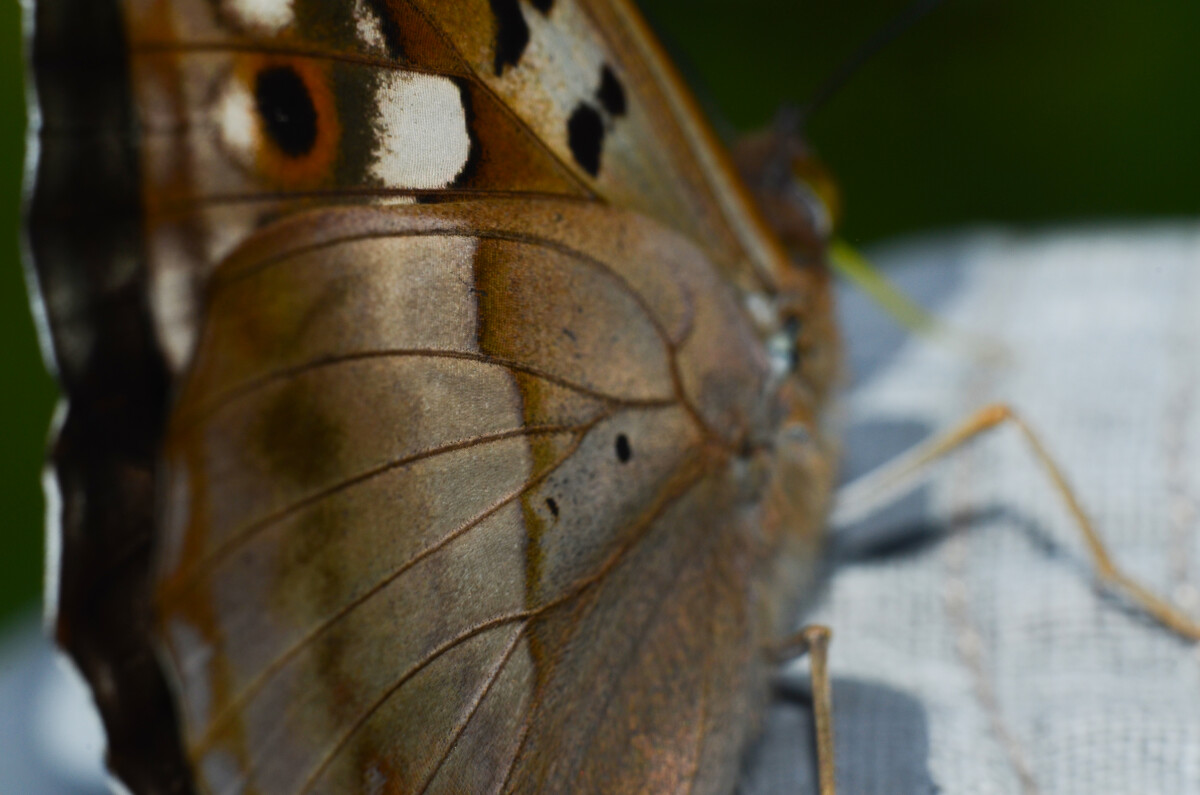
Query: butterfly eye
[784,346]
[792,328]
[286,108]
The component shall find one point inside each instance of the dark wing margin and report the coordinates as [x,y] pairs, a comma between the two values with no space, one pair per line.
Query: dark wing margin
[87,270]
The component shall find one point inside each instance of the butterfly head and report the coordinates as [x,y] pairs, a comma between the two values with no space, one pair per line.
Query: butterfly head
[797,194]
[799,201]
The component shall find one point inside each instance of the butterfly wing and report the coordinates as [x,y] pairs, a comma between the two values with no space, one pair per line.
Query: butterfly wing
[248,114]
[473,479]
[462,497]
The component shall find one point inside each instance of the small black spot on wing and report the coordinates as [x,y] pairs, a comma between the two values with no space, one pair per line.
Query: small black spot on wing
[611,93]
[588,124]
[287,110]
[553,506]
[624,450]
[512,33]
[585,135]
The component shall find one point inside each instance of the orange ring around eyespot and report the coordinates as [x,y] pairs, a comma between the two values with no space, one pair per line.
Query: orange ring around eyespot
[316,167]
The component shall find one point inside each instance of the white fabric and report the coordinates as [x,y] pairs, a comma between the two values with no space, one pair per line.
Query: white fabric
[985,661]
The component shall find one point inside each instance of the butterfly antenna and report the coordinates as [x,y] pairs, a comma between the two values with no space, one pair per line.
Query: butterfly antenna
[893,30]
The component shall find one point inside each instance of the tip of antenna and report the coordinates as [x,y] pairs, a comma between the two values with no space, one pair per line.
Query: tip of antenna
[895,28]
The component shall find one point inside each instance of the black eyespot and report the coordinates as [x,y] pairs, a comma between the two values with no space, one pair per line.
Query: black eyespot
[287,110]
[624,451]
[553,506]
[585,134]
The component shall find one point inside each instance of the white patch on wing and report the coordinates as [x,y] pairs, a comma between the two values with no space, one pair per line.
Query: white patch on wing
[421,126]
[369,28]
[270,16]
[173,295]
[237,119]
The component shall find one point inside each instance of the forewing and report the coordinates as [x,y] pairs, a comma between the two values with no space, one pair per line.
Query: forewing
[249,112]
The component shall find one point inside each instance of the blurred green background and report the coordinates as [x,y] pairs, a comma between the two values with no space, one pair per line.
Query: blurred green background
[1019,112]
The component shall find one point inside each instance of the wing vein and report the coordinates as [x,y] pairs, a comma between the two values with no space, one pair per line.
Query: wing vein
[216,47]
[511,237]
[241,537]
[202,203]
[643,633]
[235,705]
[493,677]
[448,41]
[261,382]
[698,471]
[588,260]
[656,511]
[343,741]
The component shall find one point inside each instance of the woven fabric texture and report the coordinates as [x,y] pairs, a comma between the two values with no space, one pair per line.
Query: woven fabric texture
[972,652]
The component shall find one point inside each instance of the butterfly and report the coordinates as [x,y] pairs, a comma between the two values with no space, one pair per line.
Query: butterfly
[442,411]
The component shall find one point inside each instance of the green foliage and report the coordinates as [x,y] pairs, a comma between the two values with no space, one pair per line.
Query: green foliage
[1010,111]
[26,391]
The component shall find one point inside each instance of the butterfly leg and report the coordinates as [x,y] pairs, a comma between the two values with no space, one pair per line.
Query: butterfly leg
[813,640]
[894,479]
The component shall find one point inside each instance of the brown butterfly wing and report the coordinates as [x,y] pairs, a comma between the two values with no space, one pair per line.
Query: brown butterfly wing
[484,490]
[465,497]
